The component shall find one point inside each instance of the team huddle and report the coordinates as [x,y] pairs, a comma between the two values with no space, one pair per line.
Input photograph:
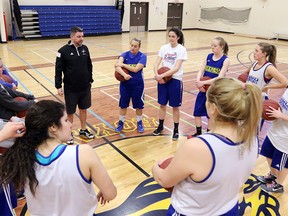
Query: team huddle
[50,172]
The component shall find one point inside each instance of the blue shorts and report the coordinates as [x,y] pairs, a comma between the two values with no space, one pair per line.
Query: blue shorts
[171,91]
[4,206]
[233,212]
[200,107]
[134,92]
[82,99]
[279,159]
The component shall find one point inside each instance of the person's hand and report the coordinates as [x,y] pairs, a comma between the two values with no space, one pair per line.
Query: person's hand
[119,64]
[101,198]
[12,130]
[200,86]
[127,76]
[276,113]
[14,87]
[60,92]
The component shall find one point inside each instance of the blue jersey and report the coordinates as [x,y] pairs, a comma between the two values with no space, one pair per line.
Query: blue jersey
[213,68]
[133,60]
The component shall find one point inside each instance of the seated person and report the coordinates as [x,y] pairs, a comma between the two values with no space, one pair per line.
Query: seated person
[7,80]
[9,106]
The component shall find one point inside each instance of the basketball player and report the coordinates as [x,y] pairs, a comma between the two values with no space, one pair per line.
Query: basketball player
[215,65]
[172,55]
[208,171]
[57,177]
[133,88]
[275,148]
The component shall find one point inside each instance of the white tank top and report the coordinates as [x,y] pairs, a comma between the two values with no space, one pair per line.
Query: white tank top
[278,133]
[257,77]
[218,192]
[62,189]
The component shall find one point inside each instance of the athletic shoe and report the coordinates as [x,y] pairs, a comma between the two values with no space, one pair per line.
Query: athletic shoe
[192,136]
[86,134]
[71,141]
[266,179]
[272,187]
[175,135]
[140,126]
[158,131]
[119,127]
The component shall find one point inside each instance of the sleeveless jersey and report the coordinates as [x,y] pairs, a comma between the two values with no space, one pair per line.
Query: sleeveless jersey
[62,188]
[257,77]
[278,133]
[213,68]
[219,191]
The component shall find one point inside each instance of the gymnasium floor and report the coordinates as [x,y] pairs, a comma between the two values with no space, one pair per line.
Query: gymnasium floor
[129,156]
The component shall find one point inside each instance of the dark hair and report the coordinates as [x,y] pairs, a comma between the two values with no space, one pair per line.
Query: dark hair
[75,29]
[179,34]
[18,162]
[270,50]
[223,44]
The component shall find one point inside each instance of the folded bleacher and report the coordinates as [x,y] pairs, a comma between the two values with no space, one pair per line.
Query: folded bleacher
[58,20]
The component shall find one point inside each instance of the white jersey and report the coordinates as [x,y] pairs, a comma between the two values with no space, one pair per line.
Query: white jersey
[278,133]
[170,55]
[62,188]
[219,191]
[257,77]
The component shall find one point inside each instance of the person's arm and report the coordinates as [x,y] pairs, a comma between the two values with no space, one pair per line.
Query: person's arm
[12,130]
[272,72]
[118,67]
[8,74]
[58,73]
[6,84]
[90,67]
[276,113]
[92,168]
[193,158]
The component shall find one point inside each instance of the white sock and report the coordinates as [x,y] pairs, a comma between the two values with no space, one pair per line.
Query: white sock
[139,118]
[121,118]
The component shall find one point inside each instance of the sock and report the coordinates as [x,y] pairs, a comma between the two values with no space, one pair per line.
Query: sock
[139,118]
[176,126]
[199,130]
[121,118]
[161,122]
[208,129]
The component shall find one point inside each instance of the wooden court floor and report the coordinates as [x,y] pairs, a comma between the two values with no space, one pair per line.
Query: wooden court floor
[129,156]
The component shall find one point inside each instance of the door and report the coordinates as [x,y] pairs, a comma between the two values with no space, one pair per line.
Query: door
[174,16]
[138,16]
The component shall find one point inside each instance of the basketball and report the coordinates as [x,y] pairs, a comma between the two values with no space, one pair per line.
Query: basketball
[266,105]
[6,78]
[163,165]
[163,70]
[243,77]
[204,78]
[119,77]
[21,114]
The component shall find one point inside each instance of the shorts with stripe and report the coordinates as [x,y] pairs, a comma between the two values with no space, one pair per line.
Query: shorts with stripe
[279,159]
[171,91]
[134,92]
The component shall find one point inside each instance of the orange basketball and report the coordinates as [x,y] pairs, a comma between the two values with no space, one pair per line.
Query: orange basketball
[119,77]
[204,78]
[21,114]
[6,78]
[163,165]
[266,106]
[163,70]
[243,77]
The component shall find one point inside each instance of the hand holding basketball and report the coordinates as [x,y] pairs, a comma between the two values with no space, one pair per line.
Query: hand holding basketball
[119,77]
[163,70]
[243,77]
[163,164]
[21,114]
[269,107]
[205,86]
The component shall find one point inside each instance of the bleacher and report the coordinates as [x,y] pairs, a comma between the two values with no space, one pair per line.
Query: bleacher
[95,20]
